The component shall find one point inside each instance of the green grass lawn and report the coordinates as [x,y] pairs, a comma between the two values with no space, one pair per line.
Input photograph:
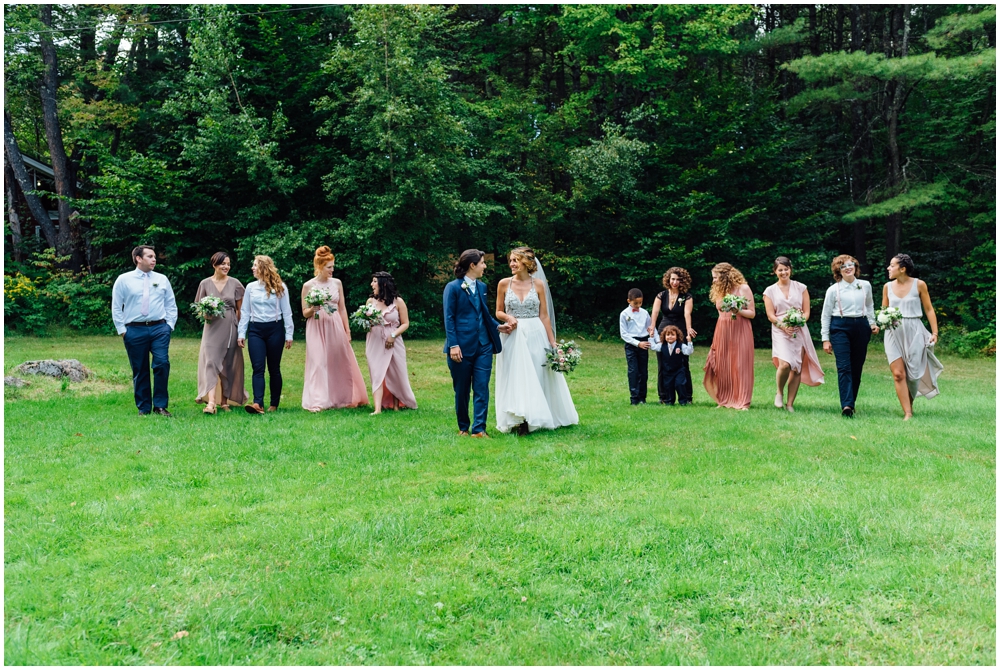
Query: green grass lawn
[645,535]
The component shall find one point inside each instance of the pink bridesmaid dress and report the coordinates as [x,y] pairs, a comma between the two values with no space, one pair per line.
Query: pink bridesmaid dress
[799,351]
[388,366]
[333,378]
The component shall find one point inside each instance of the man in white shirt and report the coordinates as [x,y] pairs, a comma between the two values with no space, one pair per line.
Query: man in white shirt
[144,313]
[633,325]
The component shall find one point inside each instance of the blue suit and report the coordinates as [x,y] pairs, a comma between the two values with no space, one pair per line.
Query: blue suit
[469,325]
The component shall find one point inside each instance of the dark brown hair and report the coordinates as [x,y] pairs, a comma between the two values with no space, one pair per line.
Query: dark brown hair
[386,288]
[218,258]
[904,261]
[468,257]
[140,250]
[781,260]
[682,274]
[671,329]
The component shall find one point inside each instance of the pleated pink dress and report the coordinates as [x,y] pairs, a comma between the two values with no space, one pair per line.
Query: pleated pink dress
[333,378]
[798,351]
[729,368]
[388,366]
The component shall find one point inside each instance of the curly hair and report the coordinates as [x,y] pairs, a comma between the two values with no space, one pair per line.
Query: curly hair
[839,261]
[729,280]
[906,263]
[682,274]
[322,257]
[269,276]
[527,258]
[387,292]
[671,329]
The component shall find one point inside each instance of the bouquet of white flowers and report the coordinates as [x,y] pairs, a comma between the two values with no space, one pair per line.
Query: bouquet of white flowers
[366,316]
[208,308]
[792,319]
[320,297]
[734,303]
[888,318]
[564,357]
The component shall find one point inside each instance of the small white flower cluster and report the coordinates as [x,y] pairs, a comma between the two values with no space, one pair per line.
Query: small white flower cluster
[734,303]
[888,318]
[320,297]
[793,318]
[564,357]
[367,316]
[208,308]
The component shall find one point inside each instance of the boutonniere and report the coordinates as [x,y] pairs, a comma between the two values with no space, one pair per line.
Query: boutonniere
[465,287]
[857,286]
[681,300]
[628,318]
[156,284]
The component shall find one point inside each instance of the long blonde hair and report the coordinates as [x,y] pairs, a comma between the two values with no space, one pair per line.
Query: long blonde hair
[268,275]
[729,280]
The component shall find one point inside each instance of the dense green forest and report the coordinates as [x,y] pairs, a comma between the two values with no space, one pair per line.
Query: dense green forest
[617,140]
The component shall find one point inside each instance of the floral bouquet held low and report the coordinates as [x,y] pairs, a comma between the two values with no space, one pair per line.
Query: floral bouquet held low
[888,318]
[320,297]
[793,318]
[564,357]
[734,303]
[366,316]
[208,308]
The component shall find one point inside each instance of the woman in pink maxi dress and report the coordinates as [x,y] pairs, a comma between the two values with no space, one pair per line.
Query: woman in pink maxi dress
[385,350]
[332,377]
[792,349]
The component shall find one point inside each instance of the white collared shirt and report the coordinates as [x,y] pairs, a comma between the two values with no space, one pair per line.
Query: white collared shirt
[471,283]
[126,299]
[259,306]
[850,299]
[633,324]
[687,348]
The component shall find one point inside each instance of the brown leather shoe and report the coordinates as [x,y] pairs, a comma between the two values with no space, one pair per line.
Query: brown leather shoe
[463,433]
[480,435]
[253,408]
[272,408]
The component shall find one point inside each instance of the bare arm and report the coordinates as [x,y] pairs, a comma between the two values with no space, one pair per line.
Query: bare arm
[404,317]
[885,296]
[688,310]
[925,300]
[308,310]
[751,310]
[543,316]
[341,309]
[656,312]
[502,316]
[769,309]
[239,306]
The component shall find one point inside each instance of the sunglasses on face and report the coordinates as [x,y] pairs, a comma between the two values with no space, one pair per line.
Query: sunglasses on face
[847,265]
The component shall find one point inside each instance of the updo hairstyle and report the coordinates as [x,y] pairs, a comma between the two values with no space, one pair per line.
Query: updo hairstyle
[322,257]
[527,258]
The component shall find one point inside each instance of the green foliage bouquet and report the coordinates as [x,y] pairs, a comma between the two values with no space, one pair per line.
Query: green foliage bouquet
[320,297]
[564,357]
[208,308]
[367,316]
[793,318]
[734,303]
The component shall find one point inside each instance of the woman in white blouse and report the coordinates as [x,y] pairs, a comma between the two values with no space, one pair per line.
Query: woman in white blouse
[848,323]
[265,326]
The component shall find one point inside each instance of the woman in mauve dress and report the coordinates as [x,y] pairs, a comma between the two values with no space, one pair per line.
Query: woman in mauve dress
[332,378]
[385,350]
[220,361]
[909,347]
[729,368]
[792,349]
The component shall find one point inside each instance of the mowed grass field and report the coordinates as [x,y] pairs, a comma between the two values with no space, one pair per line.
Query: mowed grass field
[645,535]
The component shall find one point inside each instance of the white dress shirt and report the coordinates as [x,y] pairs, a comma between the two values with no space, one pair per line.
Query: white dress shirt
[259,306]
[126,299]
[633,324]
[687,348]
[471,284]
[850,299]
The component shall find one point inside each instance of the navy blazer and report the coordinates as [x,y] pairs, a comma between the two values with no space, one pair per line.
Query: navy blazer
[461,326]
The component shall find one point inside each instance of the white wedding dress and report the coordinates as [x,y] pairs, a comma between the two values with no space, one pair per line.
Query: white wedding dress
[527,390]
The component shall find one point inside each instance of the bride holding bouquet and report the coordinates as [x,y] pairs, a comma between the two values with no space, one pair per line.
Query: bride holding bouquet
[529,394]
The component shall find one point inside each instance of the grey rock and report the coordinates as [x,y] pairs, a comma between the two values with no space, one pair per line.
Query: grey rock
[16,382]
[72,368]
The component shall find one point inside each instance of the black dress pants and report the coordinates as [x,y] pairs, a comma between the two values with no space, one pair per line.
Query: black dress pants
[638,371]
[667,382]
[849,337]
[265,343]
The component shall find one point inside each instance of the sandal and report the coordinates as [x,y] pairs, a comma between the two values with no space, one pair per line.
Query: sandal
[209,409]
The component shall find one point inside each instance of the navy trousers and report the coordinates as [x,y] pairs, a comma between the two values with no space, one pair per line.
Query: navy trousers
[638,371]
[472,374]
[140,343]
[849,337]
[265,343]
[667,381]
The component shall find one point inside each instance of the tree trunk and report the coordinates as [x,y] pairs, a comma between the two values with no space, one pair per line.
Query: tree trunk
[13,157]
[12,217]
[860,158]
[68,240]
[899,21]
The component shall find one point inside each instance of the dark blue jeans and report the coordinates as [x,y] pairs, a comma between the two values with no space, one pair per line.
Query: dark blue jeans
[265,344]
[140,343]
[472,374]
[638,371]
[849,337]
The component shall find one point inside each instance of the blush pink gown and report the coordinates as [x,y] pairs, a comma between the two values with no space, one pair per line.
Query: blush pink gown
[798,351]
[333,378]
[388,366]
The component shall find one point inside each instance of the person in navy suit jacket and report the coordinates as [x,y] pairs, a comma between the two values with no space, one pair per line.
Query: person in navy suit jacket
[472,338]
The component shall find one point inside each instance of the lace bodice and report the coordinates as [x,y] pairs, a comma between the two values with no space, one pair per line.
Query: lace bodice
[522,310]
